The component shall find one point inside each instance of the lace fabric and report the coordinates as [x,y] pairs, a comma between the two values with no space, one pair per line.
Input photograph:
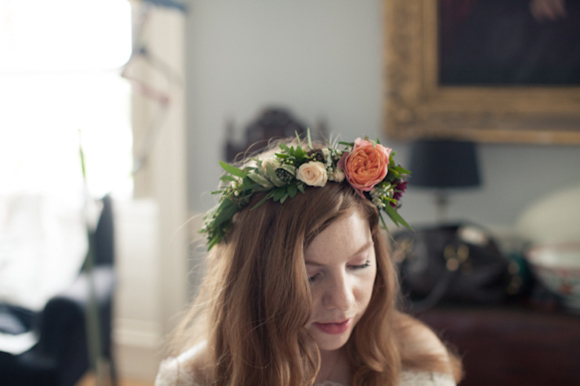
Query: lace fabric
[172,372]
[413,378]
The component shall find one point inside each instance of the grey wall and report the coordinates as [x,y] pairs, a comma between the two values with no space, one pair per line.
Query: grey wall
[514,177]
[323,59]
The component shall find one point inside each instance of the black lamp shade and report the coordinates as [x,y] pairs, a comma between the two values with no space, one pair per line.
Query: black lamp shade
[444,164]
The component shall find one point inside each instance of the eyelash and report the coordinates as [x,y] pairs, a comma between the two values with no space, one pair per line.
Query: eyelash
[354,267]
[366,264]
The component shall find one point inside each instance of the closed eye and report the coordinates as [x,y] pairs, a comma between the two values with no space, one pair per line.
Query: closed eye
[311,279]
[365,265]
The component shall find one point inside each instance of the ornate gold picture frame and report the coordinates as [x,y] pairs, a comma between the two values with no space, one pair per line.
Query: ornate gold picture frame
[418,107]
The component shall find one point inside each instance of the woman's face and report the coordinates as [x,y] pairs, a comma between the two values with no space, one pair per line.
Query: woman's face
[341,267]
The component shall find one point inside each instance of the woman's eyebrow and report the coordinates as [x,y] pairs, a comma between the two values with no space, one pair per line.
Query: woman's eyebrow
[314,264]
[361,249]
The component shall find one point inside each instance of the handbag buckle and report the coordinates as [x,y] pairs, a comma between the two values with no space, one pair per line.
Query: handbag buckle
[454,257]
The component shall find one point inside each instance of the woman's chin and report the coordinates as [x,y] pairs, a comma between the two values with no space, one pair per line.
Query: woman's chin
[328,342]
[331,346]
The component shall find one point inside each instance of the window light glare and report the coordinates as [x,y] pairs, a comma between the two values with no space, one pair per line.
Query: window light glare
[62,35]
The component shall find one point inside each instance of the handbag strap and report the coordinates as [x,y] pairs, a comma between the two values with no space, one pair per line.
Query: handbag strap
[454,258]
[436,293]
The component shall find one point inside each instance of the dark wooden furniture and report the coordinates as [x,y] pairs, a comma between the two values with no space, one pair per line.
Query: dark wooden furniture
[272,123]
[511,345]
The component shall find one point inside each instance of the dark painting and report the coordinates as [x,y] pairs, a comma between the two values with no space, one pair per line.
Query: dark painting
[509,42]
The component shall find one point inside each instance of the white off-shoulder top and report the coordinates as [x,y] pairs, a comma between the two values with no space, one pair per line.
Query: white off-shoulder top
[173,372]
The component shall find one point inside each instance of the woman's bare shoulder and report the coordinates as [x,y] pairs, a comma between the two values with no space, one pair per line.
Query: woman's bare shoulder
[182,370]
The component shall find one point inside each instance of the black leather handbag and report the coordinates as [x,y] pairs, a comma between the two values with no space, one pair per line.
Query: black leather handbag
[455,263]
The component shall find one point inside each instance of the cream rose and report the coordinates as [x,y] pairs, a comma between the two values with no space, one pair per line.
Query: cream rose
[312,173]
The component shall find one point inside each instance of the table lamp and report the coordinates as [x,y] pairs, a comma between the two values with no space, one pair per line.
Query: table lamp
[443,165]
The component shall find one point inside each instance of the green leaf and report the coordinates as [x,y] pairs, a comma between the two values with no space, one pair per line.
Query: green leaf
[251,186]
[227,209]
[350,144]
[271,174]
[383,221]
[283,156]
[389,210]
[284,197]
[292,190]
[309,139]
[394,173]
[232,169]
[297,137]
[227,177]
[258,182]
[396,217]
[214,240]
[402,170]
[263,200]
[278,193]
[298,152]
[217,191]
[385,225]
[300,187]
[284,147]
[247,181]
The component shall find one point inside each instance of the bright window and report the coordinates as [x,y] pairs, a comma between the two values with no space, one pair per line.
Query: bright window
[60,73]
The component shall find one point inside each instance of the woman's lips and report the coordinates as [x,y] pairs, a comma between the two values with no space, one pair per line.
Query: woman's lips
[334,328]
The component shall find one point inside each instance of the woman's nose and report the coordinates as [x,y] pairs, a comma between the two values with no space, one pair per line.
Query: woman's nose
[338,294]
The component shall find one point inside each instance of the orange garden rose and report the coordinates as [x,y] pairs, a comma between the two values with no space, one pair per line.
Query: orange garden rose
[366,165]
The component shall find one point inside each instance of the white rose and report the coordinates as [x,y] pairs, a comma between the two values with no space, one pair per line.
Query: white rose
[312,173]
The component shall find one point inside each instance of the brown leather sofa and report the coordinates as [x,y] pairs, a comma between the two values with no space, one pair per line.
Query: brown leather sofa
[512,346]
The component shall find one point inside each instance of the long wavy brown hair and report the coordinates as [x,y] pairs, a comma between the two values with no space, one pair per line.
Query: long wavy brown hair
[255,300]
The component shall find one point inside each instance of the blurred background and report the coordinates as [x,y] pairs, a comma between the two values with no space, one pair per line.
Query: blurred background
[155,92]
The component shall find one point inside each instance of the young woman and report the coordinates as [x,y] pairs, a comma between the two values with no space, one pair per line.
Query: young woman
[300,289]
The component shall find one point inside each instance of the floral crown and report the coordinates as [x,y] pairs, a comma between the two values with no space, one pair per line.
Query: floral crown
[367,166]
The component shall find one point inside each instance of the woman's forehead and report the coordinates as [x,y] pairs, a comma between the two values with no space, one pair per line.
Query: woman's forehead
[343,238]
